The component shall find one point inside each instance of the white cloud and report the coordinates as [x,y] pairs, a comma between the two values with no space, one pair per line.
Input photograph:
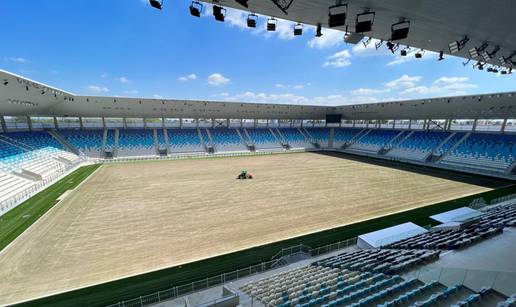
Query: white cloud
[104,75]
[189,77]
[404,81]
[450,80]
[217,79]
[292,86]
[97,89]
[330,38]
[123,80]
[18,60]
[156,96]
[339,59]
[367,92]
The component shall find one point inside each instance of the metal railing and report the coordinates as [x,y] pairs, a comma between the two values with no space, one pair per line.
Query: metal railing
[224,278]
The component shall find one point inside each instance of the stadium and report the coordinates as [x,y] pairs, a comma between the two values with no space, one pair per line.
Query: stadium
[133,201]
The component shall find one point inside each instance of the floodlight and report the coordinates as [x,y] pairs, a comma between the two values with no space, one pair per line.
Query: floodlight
[419,54]
[403,52]
[441,56]
[457,46]
[271,24]
[364,22]
[219,12]
[337,15]
[196,8]
[392,46]
[298,29]
[479,65]
[400,30]
[318,32]
[243,3]
[156,4]
[6,82]
[252,20]
[473,52]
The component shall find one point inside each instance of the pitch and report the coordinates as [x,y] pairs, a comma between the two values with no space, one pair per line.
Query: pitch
[127,219]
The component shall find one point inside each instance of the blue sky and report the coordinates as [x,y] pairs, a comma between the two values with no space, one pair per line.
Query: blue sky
[126,48]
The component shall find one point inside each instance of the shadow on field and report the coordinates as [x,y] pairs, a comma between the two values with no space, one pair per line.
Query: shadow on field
[485,181]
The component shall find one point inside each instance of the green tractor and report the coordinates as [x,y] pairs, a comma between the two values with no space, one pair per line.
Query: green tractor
[245,175]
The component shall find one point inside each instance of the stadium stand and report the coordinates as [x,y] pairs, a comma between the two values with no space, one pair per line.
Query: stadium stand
[294,138]
[418,145]
[494,152]
[320,135]
[227,139]
[184,140]
[263,138]
[344,136]
[136,142]
[491,223]
[11,185]
[375,140]
[89,142]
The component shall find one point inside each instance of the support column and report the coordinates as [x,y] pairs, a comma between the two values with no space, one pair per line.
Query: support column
[410,124]
[29,123]
[242,123]
[302,123]
[354,123]
[213,122]
[56,124]
[81,124]
[313,123]
[103,123]
[291,123]
[367,124]
[228,122]
[124,122]
[4,125]
[393,124]
[267,123]
[340,124]
[474,128]
[144,123]
[163,123]
[196,123]
[255,123]
[504,124]
[180,123]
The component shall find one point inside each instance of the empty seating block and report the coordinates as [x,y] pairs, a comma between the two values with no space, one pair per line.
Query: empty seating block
[136,142]
[320,135]
[11,186]
[418,145]
[184,140]
[295,138]
[88,142]
[263,138]
[379,260]
[227,139]
[489,224]
[373,141]
[343,136]
[494,152]
[32,151]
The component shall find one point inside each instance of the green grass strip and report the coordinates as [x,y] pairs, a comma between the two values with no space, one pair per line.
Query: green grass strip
[16,221]
[129,288]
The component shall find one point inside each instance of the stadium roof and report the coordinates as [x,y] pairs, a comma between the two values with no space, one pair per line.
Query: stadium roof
[434,24]
[23,97]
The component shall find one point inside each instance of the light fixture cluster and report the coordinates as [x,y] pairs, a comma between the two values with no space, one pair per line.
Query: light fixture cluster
[364,21]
